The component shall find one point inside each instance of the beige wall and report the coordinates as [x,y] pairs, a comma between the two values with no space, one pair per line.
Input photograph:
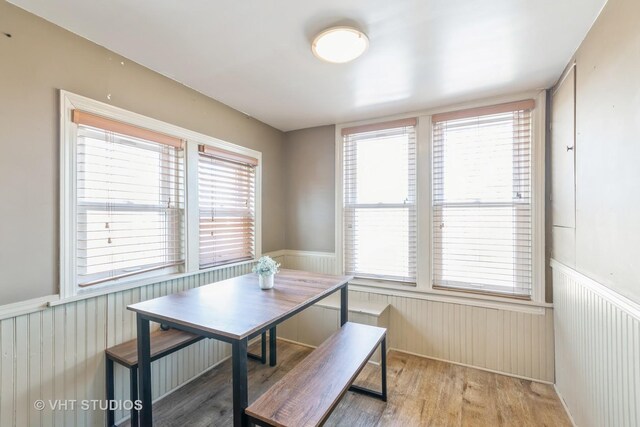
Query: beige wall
[310,186]
[41,58]
[606,244]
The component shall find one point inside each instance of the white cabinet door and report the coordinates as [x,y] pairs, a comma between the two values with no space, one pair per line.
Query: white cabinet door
[563,149]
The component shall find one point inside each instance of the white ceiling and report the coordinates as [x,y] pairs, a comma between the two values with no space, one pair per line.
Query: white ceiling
[255,55]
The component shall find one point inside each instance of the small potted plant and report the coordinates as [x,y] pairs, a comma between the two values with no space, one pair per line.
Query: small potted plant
[266,268]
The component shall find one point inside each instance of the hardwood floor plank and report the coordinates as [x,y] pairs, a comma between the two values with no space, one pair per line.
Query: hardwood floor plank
[479,399]
[422,392]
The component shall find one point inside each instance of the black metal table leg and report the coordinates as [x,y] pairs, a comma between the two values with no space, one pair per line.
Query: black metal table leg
[240,387]
[344,305]
[263,346]
[133,394]
[272,347]
[110,392]
[144,371]
[383,363]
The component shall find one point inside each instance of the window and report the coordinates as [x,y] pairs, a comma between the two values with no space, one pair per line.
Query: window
[379,170]
[482,200]
[143,201]
[226,186]
[129,201]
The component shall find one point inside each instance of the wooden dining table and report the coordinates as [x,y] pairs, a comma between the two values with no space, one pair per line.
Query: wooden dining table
[234,311]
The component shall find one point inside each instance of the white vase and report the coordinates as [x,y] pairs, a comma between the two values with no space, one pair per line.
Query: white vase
[266,281]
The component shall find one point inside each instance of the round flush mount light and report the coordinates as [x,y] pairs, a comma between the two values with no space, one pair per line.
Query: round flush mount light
[339,44]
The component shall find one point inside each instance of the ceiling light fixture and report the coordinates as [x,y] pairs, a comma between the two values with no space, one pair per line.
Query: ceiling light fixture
[339,44]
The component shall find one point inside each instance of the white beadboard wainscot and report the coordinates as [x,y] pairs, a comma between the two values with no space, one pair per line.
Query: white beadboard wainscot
[512,342]
[58,353]
[597,351]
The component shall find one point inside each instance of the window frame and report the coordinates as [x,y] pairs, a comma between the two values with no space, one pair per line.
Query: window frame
[445,203]
[93,206]
[354,206]
[423,287]
[68,287]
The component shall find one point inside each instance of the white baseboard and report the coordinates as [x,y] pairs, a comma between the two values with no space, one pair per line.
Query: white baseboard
[564,405]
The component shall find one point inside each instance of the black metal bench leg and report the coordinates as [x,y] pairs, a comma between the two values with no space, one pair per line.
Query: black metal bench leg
[382,395]
[110,392]
[272,347]
[133,393]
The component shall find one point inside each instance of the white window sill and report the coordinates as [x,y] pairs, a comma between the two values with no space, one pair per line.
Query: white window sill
[412,290]
[137,283]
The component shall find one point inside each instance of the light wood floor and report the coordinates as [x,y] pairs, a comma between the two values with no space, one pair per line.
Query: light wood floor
[422,392]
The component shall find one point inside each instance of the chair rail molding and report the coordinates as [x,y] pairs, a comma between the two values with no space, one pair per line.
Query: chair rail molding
[623,303]
[26,307]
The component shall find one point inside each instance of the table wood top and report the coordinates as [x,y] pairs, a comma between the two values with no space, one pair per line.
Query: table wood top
[237,307]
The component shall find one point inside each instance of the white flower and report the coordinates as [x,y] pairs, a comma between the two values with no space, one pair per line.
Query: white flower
[266,266]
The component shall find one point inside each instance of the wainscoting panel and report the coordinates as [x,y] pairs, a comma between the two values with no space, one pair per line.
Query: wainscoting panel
[58,353]
[597,351]
[315,262]
[510,342]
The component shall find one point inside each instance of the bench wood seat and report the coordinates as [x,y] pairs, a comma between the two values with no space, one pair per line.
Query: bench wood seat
[162,343]
[308,393]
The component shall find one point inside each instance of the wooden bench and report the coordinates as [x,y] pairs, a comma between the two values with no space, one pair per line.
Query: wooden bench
[163,343]
[308,393]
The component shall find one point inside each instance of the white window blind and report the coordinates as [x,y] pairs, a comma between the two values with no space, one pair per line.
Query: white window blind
[379,170]
[226,183]
[482,228]
[129,203]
